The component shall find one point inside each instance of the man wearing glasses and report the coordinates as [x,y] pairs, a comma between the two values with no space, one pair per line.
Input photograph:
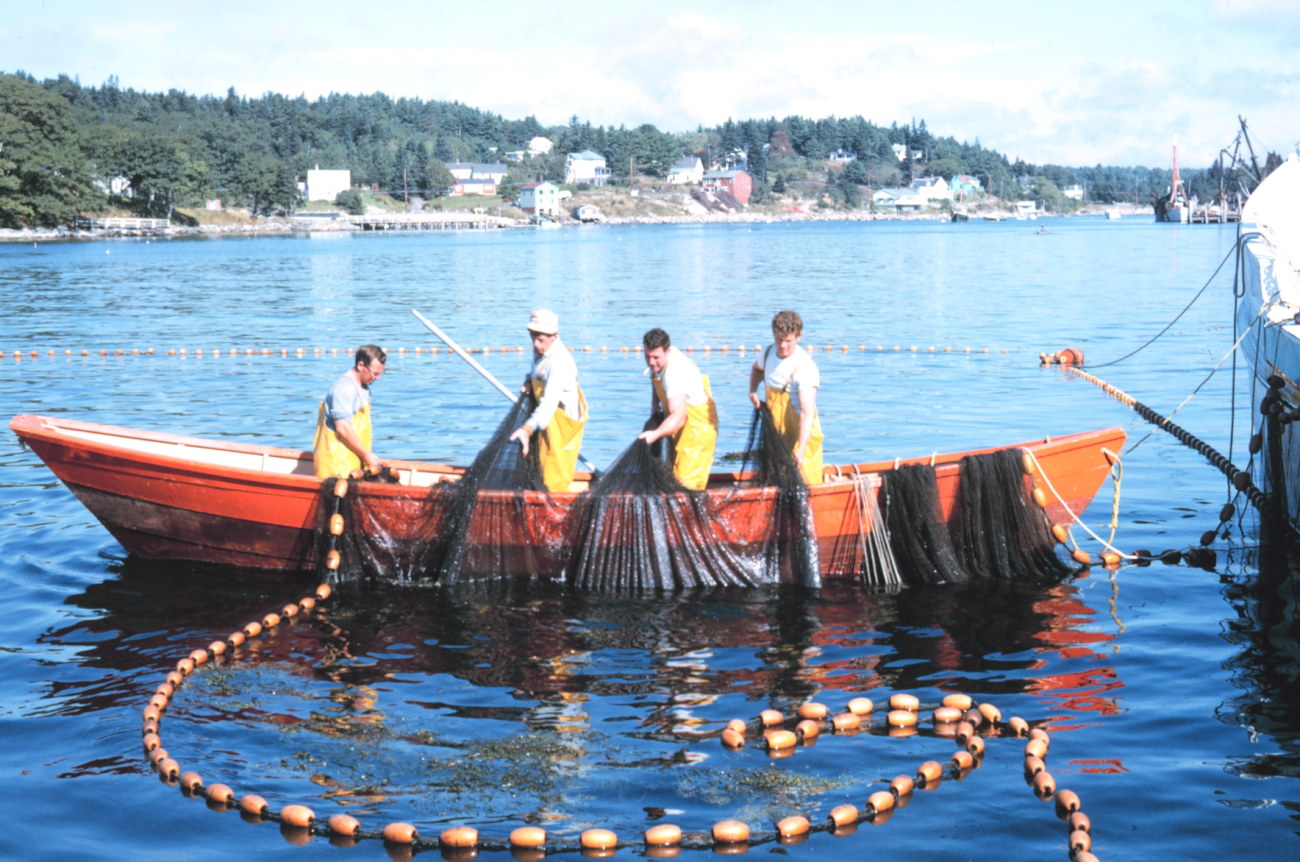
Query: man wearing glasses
[343,423]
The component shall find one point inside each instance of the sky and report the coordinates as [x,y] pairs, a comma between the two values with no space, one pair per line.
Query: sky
[1098,82]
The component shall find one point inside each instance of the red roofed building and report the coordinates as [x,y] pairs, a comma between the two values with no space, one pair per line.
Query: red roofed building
[736,183]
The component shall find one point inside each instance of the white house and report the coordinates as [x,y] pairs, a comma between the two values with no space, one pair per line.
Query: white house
[477,171]
[932,189]
[1026,208]
[687,171]
[515,156]
[586,167]
[540,199]
[900,200]
[326,185]
[539,146]
[842,156]
[1074,192]
[474,187]
[900,151]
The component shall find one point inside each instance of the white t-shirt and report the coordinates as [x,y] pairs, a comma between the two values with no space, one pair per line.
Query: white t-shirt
[681,377]
[557,370]
[795,371]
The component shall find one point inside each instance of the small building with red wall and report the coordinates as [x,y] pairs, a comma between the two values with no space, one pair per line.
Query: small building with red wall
[736,183]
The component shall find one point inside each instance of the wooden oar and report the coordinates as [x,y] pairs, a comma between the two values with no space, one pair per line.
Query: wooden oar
[487,375]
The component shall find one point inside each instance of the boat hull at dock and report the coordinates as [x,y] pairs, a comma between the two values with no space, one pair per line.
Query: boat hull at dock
[164,496]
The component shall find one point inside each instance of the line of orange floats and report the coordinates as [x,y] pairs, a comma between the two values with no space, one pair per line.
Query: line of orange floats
[300,352]
[959,717]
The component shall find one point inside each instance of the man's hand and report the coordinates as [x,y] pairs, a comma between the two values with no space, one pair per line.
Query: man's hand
[523,390]
[523,435]
[649,436]
[372,463]
[799,453]
[753,399]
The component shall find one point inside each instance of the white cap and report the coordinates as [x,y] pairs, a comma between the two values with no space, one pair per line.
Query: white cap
[544,322]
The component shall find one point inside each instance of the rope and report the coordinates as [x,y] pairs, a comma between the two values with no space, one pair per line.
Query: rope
[1256,497]
[1172,322]
[1042,474]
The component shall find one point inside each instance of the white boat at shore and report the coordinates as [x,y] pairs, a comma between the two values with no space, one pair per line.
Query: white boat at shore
[1270,247]
[1112,215]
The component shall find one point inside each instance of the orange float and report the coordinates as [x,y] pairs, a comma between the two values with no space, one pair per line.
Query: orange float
[598,839]
[791,827]
[901,718]
[221,793]
[808,729]
[904,701]
[771,717]
[958,701]
[343,824]
[1067,802]
[663,835]
[253,804]
[402,833]
[730,832]
[1079,822]
[929,771]
[781,739]
[731,739]
[947,715]
[861,706]
[975,746]
[297,815]
[990,712]
[813,711]
[962,760]
[528,836]
[1035,748]
[1044,784]
[881,801]
[1034,765]
[846,721]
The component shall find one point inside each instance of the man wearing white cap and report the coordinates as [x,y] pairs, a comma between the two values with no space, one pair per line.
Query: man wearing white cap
[561,411]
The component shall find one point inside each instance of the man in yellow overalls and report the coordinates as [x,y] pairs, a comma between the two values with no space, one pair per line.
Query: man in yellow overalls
[682,394]
[343,422]
[561,412]
[790,379]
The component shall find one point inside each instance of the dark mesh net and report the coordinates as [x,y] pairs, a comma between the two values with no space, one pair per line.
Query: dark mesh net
[918,534]
[794,534]
[1001,533]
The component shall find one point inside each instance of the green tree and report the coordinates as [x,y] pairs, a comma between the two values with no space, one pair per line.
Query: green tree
[153,169]
[779,185]
[438,179]
[285,192]
[946,168]
[255,178]
[349,200]
[848,191]
[442,150]
[44,177]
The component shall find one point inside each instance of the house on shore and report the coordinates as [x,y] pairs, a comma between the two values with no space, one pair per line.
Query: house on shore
[326,185]
[932,189]
[476,171]
[738,184]
[540,199]
[586,167]
[1074,192]
[842,156]
[964,184]
[687,171]
[540,146]
[474,187]
[900,200]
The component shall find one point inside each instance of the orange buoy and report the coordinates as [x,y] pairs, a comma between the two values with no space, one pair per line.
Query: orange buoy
[199,656]
[341,488]
[149,727]
[152,713]
[236,638]
[975,745]
[947,715]
[157,756]
[771,717]
[159,702]
[731,739]
[846,721]
[217,648]
[323,591]
[1044,784]
[1080,842]
[1110,558]
[528,836]
[780,739]
[730,832]
[737,725]
[185,666]
[929,771]
[901,718]
[1079,822]
[1018,725]
[1067,802]
[843,815]
[289,611]
[176,678]
[405,833]
[814,711]
[663,835]
[1040,497]
[964,732]
[270,621]
[1061,533]
[1034,765]
[253,804]
[1039,733]
[1035,748]
[880,801]
[861,706]
[962,760]
[904,701]
[791,827]
[221,793]
[598,839]
[307,603]
[336,524]
[958,701]
[297,815]
[990,712]
[342,824]
[1082,557]
[169,768]
[332,560]
[253,629]
[151,741]
[902,785]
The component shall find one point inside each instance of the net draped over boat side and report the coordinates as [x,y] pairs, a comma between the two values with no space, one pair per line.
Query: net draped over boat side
[917,531]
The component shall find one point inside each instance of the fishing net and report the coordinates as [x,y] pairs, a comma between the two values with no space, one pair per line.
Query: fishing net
[918,533]
[1000,532]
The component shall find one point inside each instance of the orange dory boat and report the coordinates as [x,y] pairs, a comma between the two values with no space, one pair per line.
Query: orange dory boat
[165,496]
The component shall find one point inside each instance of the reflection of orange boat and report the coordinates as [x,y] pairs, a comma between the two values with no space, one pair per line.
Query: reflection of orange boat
[169,497]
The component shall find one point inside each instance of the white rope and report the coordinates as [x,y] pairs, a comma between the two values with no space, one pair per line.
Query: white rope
[1077,520]
[878,562]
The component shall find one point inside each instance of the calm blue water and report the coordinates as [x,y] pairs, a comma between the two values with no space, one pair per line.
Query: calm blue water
[1172,689]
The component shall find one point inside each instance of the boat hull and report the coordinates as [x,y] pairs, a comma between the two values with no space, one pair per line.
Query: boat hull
[181,498]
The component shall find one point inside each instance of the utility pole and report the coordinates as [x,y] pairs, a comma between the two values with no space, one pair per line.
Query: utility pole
[631,170]
[404,199]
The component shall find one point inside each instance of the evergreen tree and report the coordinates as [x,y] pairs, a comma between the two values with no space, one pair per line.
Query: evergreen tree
[442,151]
[44,177]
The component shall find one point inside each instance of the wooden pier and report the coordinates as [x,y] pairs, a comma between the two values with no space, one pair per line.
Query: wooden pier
[119,223]
[429,221]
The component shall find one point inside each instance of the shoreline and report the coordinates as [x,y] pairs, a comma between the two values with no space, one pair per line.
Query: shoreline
[283,226]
